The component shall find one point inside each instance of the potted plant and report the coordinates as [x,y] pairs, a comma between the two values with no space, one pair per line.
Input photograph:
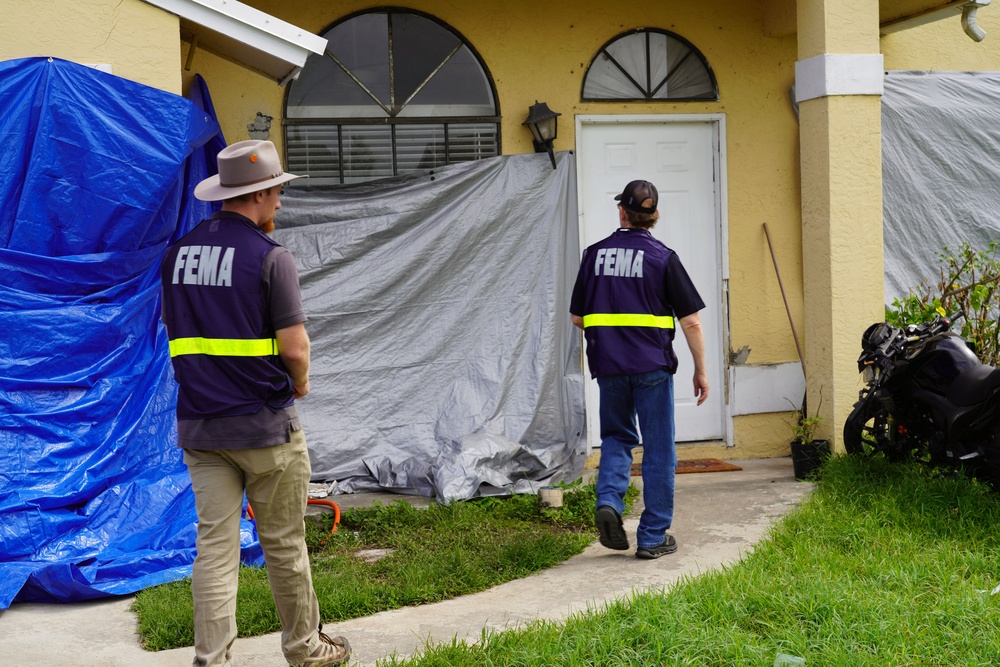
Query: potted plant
[808,453]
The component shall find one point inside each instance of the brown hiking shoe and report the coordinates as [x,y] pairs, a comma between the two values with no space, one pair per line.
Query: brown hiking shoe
[330,652]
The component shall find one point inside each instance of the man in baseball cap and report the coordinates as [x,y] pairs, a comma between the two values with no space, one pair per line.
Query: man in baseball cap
[240,353]
[630,295]
[639,196]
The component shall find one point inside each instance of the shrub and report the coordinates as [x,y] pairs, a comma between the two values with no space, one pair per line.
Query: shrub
[969,281]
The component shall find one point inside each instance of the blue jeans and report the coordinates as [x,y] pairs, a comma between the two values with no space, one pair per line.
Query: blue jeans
[651,397]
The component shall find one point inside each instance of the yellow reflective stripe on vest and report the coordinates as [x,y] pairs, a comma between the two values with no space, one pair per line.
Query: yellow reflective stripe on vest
[628,320]
[225,347]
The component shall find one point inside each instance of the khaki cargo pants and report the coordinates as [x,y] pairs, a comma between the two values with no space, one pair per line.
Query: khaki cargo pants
[276,482]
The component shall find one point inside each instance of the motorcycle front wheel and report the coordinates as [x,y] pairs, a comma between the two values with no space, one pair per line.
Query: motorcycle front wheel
[866,431]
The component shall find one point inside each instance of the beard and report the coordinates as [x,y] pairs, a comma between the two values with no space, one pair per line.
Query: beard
[268,226]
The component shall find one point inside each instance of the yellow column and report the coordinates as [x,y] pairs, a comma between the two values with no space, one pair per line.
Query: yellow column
[838,85]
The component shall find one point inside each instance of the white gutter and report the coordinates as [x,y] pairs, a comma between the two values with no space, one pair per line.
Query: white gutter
[966,8]
[244,35]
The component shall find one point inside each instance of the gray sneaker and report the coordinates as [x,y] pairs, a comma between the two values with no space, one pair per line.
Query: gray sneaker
[609,525]
[668,546]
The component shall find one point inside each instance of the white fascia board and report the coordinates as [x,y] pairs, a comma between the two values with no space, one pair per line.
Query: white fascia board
[839,74]
[245,35]
[944,11]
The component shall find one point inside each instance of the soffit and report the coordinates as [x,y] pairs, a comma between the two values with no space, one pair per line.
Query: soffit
[779,16]
[244,35]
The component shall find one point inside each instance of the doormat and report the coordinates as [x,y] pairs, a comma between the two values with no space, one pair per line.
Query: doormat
[695,465]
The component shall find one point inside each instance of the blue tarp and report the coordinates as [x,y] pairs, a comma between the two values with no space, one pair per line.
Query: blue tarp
[94,179]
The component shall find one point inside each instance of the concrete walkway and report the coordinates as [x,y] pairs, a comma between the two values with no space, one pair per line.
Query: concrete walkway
[719,516]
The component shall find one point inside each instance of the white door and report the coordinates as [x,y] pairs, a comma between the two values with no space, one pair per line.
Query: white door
[682,159]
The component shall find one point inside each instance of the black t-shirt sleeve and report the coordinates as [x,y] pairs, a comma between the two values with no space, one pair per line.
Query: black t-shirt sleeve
[576,299]
[681,292]
[165,277]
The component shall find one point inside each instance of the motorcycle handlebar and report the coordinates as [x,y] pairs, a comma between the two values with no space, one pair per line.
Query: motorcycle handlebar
[886,341]
[943,323]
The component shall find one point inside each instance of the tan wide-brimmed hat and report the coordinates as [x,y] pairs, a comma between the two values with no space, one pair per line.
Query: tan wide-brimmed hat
[246,166]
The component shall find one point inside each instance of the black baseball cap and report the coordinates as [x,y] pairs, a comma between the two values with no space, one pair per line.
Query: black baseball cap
[638,193]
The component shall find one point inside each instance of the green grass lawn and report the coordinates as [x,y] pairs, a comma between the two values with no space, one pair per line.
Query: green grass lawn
[883,565]
[436,553]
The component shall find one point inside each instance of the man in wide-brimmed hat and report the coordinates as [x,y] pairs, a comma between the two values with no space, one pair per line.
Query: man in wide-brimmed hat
[240,353]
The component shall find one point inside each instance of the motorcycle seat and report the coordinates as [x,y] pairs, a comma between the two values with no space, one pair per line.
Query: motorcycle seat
[973,385]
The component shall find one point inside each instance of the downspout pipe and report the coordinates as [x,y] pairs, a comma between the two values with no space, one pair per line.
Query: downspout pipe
[969,20]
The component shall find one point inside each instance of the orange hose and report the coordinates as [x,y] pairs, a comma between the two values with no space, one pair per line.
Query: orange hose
[336,511]
[314,501]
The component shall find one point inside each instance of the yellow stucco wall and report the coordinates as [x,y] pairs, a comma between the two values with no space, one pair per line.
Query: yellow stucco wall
[546,60]
[541,53]
[534,55]
[944,46]
[139,41]
[754,76]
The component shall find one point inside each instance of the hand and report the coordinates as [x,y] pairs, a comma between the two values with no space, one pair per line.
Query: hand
[700,386]
[301,388]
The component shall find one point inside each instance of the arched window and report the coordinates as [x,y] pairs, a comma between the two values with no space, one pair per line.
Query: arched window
[395,92]
[649,65]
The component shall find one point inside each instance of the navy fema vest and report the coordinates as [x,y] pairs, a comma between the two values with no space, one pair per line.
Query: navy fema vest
[222,344]
[628,321]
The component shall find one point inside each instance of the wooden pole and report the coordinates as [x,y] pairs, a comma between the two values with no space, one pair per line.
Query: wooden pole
[784,298]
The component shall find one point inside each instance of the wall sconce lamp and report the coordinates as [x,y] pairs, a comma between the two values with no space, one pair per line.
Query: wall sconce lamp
[542,123]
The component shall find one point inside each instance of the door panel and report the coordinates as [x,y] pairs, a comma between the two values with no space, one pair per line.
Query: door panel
[679,158]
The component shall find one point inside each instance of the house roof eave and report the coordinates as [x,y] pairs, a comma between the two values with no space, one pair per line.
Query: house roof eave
[247,36]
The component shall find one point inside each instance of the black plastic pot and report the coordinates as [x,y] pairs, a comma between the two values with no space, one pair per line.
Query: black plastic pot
[807,456]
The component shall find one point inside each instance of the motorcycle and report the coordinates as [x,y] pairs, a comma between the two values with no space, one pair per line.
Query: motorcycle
[928,397]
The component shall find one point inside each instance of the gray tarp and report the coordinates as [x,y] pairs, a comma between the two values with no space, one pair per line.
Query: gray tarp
[940,170]
[444,362]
